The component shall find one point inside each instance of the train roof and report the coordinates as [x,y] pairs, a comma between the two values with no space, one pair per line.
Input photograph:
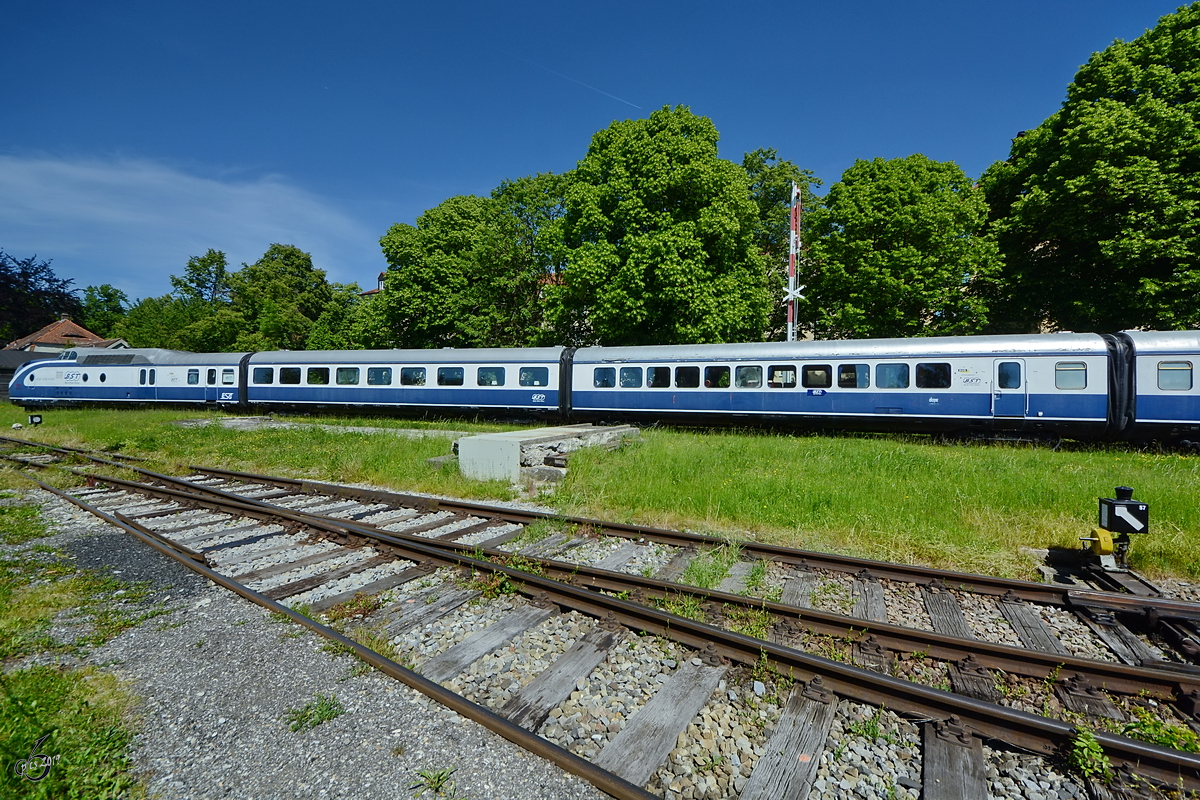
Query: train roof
[146,356]
[920,347]
[153,356]
[446,355]
[1165,342]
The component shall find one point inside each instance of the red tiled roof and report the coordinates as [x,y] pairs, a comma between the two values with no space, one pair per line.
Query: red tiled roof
[62,333]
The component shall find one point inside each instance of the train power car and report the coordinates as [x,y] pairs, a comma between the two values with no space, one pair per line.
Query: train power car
[1129,385]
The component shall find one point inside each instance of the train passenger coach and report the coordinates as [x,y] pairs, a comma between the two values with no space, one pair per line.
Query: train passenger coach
[1057,384]
[493,378]
[1166,397]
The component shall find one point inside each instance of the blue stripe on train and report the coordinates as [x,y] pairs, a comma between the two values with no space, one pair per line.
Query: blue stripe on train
[1075,406]
[1162,408]
[524,397]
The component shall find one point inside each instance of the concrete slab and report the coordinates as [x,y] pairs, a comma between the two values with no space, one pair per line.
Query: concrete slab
[499,456]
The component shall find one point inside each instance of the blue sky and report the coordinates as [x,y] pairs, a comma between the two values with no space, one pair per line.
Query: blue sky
[137,134]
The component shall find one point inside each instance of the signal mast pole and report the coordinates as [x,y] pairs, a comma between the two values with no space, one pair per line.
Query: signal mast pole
[793,291]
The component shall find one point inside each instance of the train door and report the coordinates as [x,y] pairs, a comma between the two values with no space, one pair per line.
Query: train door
[210,385]
[1009,388]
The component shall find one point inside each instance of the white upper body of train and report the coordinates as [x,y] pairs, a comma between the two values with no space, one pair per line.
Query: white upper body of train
[1134,384]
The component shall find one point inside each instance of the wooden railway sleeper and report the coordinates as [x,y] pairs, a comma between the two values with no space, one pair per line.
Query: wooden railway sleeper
[736,645]
[945,647]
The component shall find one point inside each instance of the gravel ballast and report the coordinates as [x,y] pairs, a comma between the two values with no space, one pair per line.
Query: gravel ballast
[220,679]
[218,676]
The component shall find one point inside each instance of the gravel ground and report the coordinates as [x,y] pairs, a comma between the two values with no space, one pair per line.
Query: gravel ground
[217,678]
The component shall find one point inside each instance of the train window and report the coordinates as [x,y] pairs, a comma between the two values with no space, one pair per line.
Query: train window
[412,376]
[318,376]
[816,376]
[347,376]
[379,376]
[1175,376]
[226,377]
[534,376]
[152,377]
[193,377]
[658,377]
[716,377]
[687,377]
[604,377]
[289,375]
[933,376]
[450,376]
[748,377]
[490,376]
[891,376]
[1070,375]
[212,377]
[1008,375]
[631,377]
[261,375]
[854,376]
[781,376]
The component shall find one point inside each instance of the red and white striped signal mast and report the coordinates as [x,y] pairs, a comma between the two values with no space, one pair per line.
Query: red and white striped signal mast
[793,291]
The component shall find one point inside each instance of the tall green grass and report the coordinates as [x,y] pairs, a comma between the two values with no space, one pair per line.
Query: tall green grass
[969,507]
[903,498]
[382,459]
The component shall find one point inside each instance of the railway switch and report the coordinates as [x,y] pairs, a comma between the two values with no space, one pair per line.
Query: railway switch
[1119,517]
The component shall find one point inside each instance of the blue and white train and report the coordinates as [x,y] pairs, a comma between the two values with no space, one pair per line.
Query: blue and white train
[1132,385]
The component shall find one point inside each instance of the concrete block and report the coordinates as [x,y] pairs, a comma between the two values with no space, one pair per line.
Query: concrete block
[500,456]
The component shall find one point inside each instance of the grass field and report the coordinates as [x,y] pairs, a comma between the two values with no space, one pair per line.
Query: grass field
[971,507]
[80,716]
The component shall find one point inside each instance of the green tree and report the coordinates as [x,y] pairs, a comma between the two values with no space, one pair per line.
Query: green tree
[771,182]
[896,249]
[332,330]
[470,272]
[205,279]
[368,325]
[102,308]
[157,322]
[31,296]
[279,296]
[659,236]
[1097,211]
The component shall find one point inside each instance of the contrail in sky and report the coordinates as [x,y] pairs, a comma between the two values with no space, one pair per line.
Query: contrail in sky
[581,83]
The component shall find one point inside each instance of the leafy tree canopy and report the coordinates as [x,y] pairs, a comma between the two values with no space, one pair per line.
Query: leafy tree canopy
[31,296]
[660,240]
[469,273]
[103,308]
[895,249]
[271,304]
[159,322]
[205,279]
[332,330]
[1097,211]
[279,296]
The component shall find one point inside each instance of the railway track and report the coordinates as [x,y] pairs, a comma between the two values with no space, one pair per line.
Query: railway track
[261,550]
